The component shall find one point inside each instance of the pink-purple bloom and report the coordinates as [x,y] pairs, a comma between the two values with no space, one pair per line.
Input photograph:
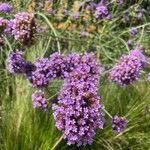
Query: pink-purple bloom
[84,34]
[15,62]
[75,15]
[47,69]
[119,2]
[148,77]
[128,68]
[24,27]
[119,124]
[77,112]
[101,11]
[39,100]
[40,76]
[5,7]
[9,29]
[133,31]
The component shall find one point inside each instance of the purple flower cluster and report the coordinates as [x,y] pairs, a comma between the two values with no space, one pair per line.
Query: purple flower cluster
[119,124]
[23,27]
[39,100]
[15,62]
[148,77]
[40,76]
[140,13]
[137,52]
[9,26]
[91,6]
[46,70]
[84,34]
[133,31]
[119,2]
[5,7]
[101,11]
[77,110]
[57,66]
[127,70]
[75,15]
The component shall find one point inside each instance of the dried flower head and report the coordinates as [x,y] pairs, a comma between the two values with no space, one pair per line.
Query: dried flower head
[24,27]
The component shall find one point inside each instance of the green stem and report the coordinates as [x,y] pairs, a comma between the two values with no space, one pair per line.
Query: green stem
[59,140]
[8,43]
[52,28]
[103,108]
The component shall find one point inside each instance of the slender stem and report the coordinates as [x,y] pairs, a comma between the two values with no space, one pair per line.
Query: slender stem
[59,140]
[52,28]
[52,96]
[103,108]
[8,43]
[107,71]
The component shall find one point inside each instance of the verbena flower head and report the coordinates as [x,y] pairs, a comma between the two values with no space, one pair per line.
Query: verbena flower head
[51,11]
[133,31]
[84,34]
[15,62]
[58,66]
[5,7]
[75,15]
[130,43]
[41,76]
[24,27]
[126,71]
[3,24]
[140,13]
[48,69]
[91,6]
[148,77]
[101,11]
[119,2]
[64,11]
[137,52]
[39,100]
[9,26]
[119,124]
[77,110]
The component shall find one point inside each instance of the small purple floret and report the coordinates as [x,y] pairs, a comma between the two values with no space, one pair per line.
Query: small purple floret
[77,112]
[101,11]
[119,124]
[133,31]
[5,7]
[15,62]
[39,100]
[128,68]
